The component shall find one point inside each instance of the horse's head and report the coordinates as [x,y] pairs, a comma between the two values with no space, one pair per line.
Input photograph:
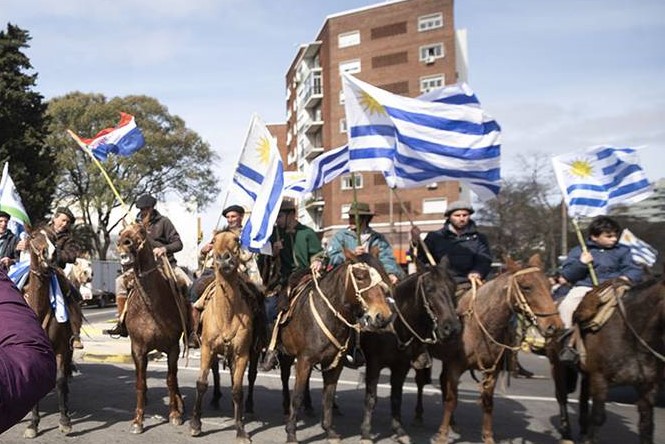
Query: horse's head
[82,271]
[130,243]
[436,288]
[368,289]
[530,294]
[226,249]
[42,248]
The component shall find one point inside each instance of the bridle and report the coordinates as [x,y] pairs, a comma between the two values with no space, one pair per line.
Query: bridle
[420,292]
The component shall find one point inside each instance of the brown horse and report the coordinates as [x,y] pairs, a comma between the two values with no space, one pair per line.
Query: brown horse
[227,324]
[37,296]
[487,332]
[627,350]
[425,315]
[354,295]
[155,318]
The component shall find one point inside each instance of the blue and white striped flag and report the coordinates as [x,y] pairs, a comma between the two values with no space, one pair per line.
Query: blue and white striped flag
[442,135]
[10,201]
[642,252]
[260,174]
[600,177]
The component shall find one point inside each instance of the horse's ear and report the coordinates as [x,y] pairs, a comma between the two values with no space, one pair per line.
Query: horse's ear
[511,265]
[536,261]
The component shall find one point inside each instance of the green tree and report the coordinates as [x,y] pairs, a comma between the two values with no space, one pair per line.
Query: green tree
[174,159]
[23,126]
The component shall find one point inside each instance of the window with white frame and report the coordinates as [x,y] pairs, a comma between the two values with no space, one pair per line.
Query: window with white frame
[342,125]
[433,51]
[350,66]
[435,205]
[345,211]
[347,181]
[431,82]
[430,21]
[347,39]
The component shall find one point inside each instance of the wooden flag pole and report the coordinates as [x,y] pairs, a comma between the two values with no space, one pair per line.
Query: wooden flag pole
[355,204]
[580,238]
[430,258]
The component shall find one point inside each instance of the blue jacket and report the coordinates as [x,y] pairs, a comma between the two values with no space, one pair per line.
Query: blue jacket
[348,239]
[608,263]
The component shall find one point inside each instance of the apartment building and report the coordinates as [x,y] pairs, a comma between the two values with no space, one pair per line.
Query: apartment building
[404,46]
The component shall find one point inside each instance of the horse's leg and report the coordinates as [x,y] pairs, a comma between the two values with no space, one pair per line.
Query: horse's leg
[583,420]
[598,388]
[237,375]
[422,378]
[216,391]
[372,371]
[308,406]
[330,378]
[33,428]
[487,402]
[302,372]
[449,380]
[560,377]
[176,405]
[140,365]
[645,405]
[207,359]
[397,376]
[251,379]
[285,363]
[62,389]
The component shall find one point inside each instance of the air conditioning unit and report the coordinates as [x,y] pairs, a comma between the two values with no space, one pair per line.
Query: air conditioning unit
[429,59]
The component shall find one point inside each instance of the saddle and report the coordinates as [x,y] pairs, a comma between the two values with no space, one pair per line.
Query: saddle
[288,297]
[599,304]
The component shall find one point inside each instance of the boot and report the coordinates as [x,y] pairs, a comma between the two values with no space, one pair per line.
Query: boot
[193,340]
[518,371]
[75,321]
[568,354]
[119,330]
[270,360]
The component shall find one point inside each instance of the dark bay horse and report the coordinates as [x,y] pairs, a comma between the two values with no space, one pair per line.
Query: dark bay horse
[354,295]
[627,350]
[155,318]
[227,330]
[487,336]
[37,296]
[426,314]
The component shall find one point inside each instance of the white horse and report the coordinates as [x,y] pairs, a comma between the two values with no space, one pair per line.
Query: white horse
[80,272]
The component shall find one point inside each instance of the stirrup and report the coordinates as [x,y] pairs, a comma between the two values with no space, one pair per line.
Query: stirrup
[354,358]
[569,355]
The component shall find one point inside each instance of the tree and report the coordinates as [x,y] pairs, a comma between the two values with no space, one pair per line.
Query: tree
[174,159]
[23,126]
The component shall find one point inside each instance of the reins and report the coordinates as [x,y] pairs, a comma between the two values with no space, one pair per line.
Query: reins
[419,291]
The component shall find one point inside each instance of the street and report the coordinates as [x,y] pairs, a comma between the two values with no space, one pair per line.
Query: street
[102,403]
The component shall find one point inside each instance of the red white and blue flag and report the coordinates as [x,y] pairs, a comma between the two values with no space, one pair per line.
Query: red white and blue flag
[125,139]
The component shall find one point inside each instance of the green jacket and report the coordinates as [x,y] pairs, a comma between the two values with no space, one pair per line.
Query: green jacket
[300,248]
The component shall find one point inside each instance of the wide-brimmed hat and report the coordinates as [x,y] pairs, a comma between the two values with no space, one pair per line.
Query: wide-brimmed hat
[66,212]
[361,209]
[237,208]
[459,205]
[287,205]
[145,201]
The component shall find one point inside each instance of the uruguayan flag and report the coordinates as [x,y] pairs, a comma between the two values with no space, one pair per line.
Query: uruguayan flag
[260,174]
[442,135]
[600,177]
[642,252]
[10,201]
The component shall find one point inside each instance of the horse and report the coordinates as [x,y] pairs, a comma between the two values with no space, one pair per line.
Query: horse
[227,330]
[80,272]
[487,330]
[155,317]
[627,350]
[426,314]
[354,295]
[37,295]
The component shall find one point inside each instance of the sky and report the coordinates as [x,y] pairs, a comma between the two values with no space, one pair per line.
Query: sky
[558,76]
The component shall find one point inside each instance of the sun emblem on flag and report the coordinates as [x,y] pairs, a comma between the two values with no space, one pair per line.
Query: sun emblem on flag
[263,149]
[370,104]
[581,168]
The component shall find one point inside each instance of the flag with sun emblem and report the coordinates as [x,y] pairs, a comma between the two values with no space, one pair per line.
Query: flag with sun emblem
[594,180]
[260,174]
[442,135]
[642,252]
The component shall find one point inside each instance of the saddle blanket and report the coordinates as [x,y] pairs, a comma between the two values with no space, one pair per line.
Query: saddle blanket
[19,273]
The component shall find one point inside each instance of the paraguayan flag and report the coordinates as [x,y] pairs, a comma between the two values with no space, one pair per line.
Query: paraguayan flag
[594,180]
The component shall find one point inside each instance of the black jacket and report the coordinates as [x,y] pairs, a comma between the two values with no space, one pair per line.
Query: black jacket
[162,233]
[8,241]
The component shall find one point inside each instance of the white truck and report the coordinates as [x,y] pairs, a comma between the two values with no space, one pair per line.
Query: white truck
[101,291]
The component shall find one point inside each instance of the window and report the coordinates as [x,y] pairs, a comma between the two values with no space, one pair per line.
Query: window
[347,183]
[431,51]
[347,39]
[435,205]
[345,211]
[342,125]
[350,66]
[432,82]
[429,22]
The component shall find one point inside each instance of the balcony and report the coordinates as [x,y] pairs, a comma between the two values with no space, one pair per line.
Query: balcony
[315,203]
[312,152]
[314,123]
[313,93]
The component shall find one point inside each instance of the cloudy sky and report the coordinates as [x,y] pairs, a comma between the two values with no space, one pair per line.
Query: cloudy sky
[558,76]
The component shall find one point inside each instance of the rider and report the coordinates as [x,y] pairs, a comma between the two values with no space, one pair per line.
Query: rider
[165,240]
[609,260]
[8,241]
[299,249]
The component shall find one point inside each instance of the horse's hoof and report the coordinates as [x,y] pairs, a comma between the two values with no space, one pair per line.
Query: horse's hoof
[243,440]
[65,429]
[136,429]
[402,439]
[334,441]
[195,432]
[566,441]
[366,441]
[176,420]
[30,433]
[489,441]
[439,438]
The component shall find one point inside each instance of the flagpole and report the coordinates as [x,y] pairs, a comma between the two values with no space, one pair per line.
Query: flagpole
[355,203]
[580,238]
[85,149]
[430,258]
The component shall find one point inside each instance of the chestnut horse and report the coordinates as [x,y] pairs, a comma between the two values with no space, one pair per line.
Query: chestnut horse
[155,318]
[354,295]
[426,314]
[487,336]
[627,350]
[227,324]
[37,295]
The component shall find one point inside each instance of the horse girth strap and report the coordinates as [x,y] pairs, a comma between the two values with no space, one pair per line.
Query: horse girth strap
[340,348]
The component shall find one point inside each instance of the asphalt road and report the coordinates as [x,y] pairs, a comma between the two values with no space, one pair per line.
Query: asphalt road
[103,400]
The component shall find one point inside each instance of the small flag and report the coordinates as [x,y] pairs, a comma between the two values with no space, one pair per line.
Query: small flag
[594,180]
[125,139]
[260,174]
[10,201]
[642,252]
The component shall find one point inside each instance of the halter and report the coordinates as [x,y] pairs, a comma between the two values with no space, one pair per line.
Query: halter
[428,309]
